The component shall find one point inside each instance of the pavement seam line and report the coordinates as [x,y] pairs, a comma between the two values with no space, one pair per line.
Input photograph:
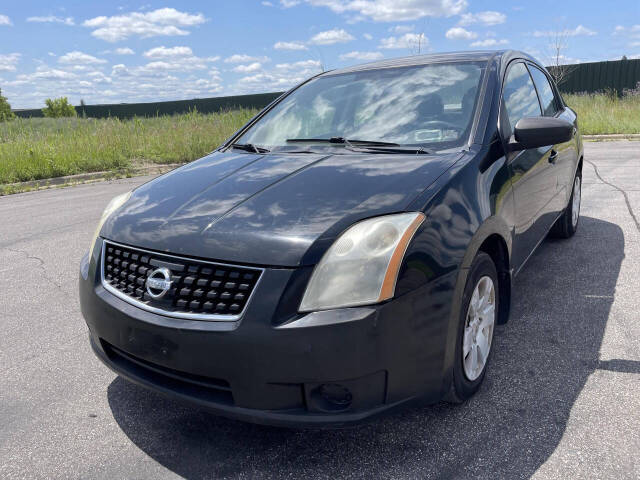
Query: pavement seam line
[624,194]
[40,266]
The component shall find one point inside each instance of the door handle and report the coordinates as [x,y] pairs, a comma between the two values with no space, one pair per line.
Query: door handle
[553,157]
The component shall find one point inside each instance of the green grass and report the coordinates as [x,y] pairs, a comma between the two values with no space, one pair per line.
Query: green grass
[604,114]
[38,148]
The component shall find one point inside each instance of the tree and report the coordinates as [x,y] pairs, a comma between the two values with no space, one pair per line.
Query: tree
[5,109]
[557,66]
[58,107]
[419,43]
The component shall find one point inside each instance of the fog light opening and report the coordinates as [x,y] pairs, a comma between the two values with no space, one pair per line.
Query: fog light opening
[331,397]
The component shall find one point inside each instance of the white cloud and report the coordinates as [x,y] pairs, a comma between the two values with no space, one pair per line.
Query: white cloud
[252,67]
[165,59]
[632,33]
[164,52]
[290,46]
[8,62]
[401,29]
[163,21]
[366,56]
[394,10]
[242,58]
[4,20]
[580,30]
[124,51]
[329,37]
[80,58]
[489,42]
[486,18]
[619,29]
[367,36]
[267,4]
[282,77]
[52,19]
[408,40]
[160,67]
[46,73]
[120,69]
[459,33]
[152,82]
[99,77]
[301,65]
[289,3]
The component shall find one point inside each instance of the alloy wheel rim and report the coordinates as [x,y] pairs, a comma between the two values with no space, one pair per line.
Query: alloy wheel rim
[575,208]
[478,329]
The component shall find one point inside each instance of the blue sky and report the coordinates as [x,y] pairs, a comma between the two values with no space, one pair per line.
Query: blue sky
[111,52]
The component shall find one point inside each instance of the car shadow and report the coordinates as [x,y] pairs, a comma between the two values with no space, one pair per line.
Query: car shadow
[541,361]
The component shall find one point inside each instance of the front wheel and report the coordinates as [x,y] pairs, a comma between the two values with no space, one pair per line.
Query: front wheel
[478,317]
[567,224]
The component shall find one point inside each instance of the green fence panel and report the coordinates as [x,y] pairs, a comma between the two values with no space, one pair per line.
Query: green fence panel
[617,75]
[203,105]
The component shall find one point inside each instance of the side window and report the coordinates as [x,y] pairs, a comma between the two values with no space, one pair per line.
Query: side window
[519,95]
[547,99]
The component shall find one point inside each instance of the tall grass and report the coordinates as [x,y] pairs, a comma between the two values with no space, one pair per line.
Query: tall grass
[605,113]
[37,148]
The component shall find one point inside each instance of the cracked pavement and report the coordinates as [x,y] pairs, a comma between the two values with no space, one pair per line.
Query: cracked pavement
[561,399]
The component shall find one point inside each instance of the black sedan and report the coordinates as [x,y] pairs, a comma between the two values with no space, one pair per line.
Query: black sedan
[349,250]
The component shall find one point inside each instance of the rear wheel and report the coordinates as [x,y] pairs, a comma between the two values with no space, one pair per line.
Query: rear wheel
[478,317]
[567,224]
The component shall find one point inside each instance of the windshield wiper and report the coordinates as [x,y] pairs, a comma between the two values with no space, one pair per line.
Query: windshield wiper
[249,147]
[383,149]
[341,140]
[373,146]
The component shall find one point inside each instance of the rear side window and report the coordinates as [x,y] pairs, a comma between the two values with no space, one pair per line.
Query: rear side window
[520,98]
[547,99]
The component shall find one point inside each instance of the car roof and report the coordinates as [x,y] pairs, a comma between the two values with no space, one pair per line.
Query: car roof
[464,56]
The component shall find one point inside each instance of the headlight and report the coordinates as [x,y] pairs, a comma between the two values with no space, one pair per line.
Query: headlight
[362,265]
[114,204]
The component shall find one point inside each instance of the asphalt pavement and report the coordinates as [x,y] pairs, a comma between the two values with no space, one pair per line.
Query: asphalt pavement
[561,399]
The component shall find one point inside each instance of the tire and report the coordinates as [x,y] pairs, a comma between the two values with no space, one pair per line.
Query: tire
[466,379]
[567,224]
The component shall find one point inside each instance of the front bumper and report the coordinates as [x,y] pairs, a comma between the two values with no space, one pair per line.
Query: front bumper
[257,371]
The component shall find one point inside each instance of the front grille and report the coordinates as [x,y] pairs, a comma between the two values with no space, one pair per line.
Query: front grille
[198,290]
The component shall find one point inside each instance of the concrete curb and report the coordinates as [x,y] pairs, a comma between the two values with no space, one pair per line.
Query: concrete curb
[84,178]
[611,137]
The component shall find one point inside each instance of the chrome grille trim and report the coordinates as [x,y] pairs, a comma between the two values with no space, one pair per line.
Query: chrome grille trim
[215,317]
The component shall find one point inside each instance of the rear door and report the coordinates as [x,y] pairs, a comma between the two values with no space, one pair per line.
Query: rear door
[534,176]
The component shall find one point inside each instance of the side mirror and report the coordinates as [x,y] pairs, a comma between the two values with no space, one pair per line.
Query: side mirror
[534,132]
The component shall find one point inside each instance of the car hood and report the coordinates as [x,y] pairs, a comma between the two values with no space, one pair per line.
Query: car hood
[272,210]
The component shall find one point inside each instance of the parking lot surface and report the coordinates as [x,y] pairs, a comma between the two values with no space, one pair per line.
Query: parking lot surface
[561,398]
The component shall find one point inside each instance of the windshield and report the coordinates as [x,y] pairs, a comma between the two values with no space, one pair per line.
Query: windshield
[426,105]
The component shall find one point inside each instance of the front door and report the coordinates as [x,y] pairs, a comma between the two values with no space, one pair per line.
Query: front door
[534,176]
